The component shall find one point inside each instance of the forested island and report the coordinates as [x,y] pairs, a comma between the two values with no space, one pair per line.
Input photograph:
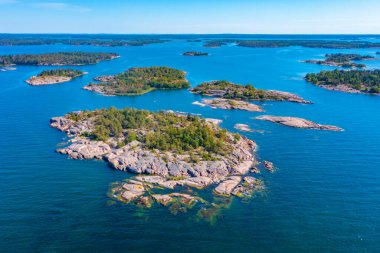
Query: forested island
[228,90]
[193,53]
[54,76]
[352,81]
[333,44]
[215,44]
[56,59]
[136,81]
[78,42]
[343,60]
[177,150]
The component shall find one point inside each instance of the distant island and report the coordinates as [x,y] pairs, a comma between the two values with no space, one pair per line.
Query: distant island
[192,53]
[352,81]
[214,44]
[137,81]
[298,123]
[333,44]
[195,40]
[56,59]
[175,150]
[78,42]
[342,60]
[228,90]
[54,76]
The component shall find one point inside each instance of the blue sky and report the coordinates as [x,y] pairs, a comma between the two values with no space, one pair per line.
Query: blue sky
[191,16]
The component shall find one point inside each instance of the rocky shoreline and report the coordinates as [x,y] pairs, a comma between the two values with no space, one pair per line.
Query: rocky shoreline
[341,88]
[156,169]
[229,104]
[298,123]
[46,80]
[335,64]
[235,92]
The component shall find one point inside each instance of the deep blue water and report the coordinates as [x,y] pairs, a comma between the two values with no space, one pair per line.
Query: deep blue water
[324,197]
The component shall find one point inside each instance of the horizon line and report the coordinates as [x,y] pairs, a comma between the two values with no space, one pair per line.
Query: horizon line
[68,33]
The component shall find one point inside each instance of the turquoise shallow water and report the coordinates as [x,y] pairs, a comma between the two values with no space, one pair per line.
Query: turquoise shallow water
[325,196]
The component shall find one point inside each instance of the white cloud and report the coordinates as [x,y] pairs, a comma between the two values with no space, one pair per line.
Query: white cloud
[59,6]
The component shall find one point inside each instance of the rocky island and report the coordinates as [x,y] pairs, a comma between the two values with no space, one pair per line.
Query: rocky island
[243,127]
[228,90]
[137,81]
[192,53]
[54,76]
[352,81]
[230,104]
[56,59]
[170,151]
[298,123]
[342,60]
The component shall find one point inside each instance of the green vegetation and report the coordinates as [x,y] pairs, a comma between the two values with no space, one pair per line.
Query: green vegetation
[367,81]
[215,43]
[228,90]
[136,81]
[301,43]
[56,59]
[163,131]
[347,57]
[343,60]
[77,42]
[195,54]
[72,73]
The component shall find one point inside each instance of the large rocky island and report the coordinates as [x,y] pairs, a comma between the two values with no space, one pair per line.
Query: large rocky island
[137,81]
[56,59]
[235,92]
[352,81]
[177,150]
[54,76]
[298,123]
[343,60]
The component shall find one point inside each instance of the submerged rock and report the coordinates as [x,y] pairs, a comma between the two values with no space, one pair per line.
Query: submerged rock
[269,166]
[132,191]
[246,189]
[163,199]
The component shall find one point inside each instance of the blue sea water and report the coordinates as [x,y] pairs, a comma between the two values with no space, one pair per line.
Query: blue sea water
[324,197]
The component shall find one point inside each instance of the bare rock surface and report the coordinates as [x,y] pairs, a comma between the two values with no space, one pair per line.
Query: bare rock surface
[166,178]
[231,104]
[243,127]
[134,158]
[228,185]
[298,123]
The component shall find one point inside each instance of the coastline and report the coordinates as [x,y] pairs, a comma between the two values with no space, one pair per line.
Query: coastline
[49,80]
